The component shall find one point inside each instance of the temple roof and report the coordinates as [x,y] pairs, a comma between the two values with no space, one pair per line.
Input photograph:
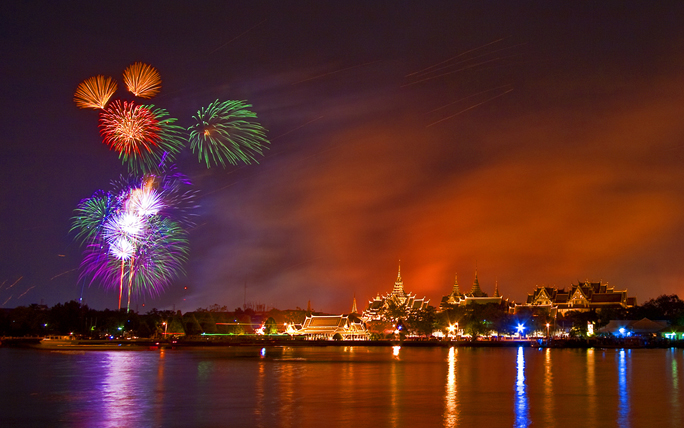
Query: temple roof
[476,291]
[606,297]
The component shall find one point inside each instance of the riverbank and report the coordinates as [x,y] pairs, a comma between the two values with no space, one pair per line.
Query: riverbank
[286,341]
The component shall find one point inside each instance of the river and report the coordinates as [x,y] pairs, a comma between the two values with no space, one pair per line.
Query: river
[343,387]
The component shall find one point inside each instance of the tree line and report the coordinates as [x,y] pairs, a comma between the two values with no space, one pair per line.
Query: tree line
[72,318]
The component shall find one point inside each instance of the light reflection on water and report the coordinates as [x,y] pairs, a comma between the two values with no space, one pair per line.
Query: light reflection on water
[548,389]
[675,400]
[592,397]
[393,379]
[623,389]
[521,405]
[343,386]
[451,399]
[120,392]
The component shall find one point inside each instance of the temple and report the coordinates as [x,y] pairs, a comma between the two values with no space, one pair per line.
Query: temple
[394,303]
[332,327]
[475,297]
[583,297]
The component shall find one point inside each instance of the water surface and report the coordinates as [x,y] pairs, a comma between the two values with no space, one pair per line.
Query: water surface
[343,386]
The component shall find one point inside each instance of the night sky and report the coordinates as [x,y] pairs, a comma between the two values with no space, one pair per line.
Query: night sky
[541,142]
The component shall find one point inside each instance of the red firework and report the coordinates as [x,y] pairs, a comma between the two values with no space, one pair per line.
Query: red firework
[132,130]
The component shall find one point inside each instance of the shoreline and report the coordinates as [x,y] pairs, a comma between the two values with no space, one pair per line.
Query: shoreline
[150,344]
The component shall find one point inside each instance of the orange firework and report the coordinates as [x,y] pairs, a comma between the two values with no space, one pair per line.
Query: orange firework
[142,80]
[94,92]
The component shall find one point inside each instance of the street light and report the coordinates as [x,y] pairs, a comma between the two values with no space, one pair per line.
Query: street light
[547,330]
[165,327]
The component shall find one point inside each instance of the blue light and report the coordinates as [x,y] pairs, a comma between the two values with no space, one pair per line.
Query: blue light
[521,327]
[622,331]
[263,352]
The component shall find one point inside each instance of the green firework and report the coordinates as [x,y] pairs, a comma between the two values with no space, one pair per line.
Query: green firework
[227,131]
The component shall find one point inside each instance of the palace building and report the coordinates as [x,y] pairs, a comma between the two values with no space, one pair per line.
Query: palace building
[582,297]
[475,297]
[397,300]
[326,327]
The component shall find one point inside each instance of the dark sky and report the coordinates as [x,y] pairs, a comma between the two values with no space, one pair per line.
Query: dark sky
[542,141]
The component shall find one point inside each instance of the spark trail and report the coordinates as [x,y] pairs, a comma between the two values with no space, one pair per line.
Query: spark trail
[469,108]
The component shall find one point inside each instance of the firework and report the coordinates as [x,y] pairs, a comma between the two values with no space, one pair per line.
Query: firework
[94,92]
[143,136]
[132,235]
[150,264]
[227,131]
[92,215]
[142,80]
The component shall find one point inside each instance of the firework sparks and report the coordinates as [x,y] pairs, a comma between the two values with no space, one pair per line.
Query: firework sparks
[142,80]
[446,61]
[63,273]
[15,282]
[226,131]
[24,293]
[469,108]
[130,233]
[335,72]
[95,92]
[92,214]
[128,128]
[142,135]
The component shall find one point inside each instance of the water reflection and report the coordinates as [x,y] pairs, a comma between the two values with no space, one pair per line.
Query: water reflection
[122,401]
[347,389]
[623,389]
[521,406]
[394,405]
[476,388]
[259,404]
[548,389]
[675,396]
[591,387]
[286,396]
[451,407]
[159,393]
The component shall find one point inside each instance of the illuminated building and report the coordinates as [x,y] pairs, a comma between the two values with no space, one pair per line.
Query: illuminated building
[325,327]
[475,297]
[582,297]
[395,304]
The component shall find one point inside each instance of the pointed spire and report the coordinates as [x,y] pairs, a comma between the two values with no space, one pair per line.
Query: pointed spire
[496,288]
[456,291]
[308,306]
[398,289]
[476,291]
[354,310]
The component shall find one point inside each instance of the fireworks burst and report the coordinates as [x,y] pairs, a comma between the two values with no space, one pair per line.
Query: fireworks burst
[142,80]
[227,131]
[143,136]
[95,92]
[130,233]
[92,214]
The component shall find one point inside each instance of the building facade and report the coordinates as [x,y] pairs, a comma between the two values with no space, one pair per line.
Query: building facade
[325,327]
[586,296]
